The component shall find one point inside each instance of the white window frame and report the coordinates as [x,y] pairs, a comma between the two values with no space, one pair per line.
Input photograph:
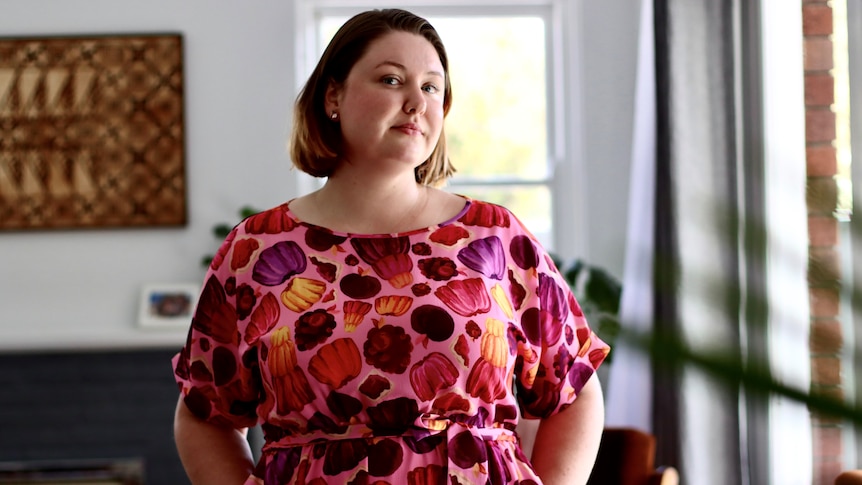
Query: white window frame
[566,179]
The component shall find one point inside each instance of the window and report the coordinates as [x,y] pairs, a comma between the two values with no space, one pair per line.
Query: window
[506,126]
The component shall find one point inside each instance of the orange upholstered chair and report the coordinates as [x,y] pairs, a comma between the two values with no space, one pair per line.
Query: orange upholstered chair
[849,477]
[627,457]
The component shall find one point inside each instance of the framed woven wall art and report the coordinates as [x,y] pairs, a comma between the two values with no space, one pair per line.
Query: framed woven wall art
[92,132]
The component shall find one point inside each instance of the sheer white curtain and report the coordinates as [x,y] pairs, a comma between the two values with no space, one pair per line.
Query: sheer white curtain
[629,387]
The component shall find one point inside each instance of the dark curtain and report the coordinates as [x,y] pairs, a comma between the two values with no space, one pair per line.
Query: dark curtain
[708,191]
[695,281]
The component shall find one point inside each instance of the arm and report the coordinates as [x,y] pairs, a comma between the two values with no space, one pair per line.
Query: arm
[210,453]
[567,443]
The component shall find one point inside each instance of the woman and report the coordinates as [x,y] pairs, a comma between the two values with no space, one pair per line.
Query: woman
[379,329]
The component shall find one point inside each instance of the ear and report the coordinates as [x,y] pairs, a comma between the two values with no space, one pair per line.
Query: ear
[332,97]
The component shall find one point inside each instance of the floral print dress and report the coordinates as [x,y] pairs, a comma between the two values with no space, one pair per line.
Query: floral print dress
[386,359]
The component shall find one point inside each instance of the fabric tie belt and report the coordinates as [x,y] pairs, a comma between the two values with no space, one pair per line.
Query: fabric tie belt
[472,454]
[423,427]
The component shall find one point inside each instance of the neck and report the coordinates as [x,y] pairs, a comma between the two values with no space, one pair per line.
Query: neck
[372,205]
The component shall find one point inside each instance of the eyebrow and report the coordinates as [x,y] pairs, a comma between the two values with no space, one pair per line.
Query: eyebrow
[404,68]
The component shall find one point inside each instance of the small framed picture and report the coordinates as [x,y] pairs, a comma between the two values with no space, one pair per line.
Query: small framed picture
[169,305]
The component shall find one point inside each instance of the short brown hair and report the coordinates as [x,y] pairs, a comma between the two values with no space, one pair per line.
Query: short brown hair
[315,144]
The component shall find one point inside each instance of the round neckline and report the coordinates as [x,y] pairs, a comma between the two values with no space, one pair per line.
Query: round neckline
[467,203]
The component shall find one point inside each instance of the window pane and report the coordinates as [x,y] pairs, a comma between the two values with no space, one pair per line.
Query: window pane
[497,124]
[530,203]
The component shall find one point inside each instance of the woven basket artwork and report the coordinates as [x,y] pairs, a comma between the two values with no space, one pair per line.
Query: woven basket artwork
[92,132]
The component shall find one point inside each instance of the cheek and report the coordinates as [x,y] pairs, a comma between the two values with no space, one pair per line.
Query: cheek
[435,118]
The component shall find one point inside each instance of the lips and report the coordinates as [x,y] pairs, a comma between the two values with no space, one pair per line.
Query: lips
[409,128]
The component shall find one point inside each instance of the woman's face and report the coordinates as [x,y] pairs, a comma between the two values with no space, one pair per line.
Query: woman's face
[391,105]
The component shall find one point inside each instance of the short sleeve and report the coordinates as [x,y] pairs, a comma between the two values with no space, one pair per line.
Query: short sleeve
[559,352]
[216,371]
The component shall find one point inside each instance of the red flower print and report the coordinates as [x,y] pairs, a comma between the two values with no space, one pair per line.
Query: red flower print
[516,291]
[433,373]
[449,235]
[313,328]
[322,240]
[438,269]
[336,363]
[421,249]
[245,301]
[388,257]
[263,318]
[374,386]
[327,271]
[420,289]
[243,250]
[465,297]
[462,349]
[427,475]
[485,215]
[226,245]
[486,381]
[388,348]
[214,315]
[451,402]
[273,221]
[473,330]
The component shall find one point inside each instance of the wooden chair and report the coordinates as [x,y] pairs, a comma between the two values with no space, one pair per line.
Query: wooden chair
[627,457]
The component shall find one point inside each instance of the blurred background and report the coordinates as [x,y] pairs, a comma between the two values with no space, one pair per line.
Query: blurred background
[697,152]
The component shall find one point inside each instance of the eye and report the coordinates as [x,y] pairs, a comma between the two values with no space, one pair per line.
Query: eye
[390,80]
[431,88]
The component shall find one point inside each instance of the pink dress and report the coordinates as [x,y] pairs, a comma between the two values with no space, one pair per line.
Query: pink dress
[386,359]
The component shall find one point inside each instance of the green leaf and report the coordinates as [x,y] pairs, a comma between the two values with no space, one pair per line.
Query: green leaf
[222,230]
[247,211]
[604,290]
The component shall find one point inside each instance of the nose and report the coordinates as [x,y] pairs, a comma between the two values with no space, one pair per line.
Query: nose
[415,102]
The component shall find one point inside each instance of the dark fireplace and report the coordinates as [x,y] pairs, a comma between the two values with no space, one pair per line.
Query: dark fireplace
[103,415]
[89,472]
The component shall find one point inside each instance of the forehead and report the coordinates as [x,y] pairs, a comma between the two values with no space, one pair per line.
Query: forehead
[405,48]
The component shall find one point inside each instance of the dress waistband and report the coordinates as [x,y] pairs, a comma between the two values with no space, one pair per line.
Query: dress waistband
[422,427]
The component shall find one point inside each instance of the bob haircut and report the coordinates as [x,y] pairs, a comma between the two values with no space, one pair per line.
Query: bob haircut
[315,144]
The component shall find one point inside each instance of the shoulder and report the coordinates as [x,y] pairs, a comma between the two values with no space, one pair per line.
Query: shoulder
[275,220]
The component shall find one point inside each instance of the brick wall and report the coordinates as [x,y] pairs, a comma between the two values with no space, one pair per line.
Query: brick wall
[824,274]
[90,405]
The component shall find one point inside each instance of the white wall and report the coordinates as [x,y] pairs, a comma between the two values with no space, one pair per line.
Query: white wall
[81,288]
[609,58]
